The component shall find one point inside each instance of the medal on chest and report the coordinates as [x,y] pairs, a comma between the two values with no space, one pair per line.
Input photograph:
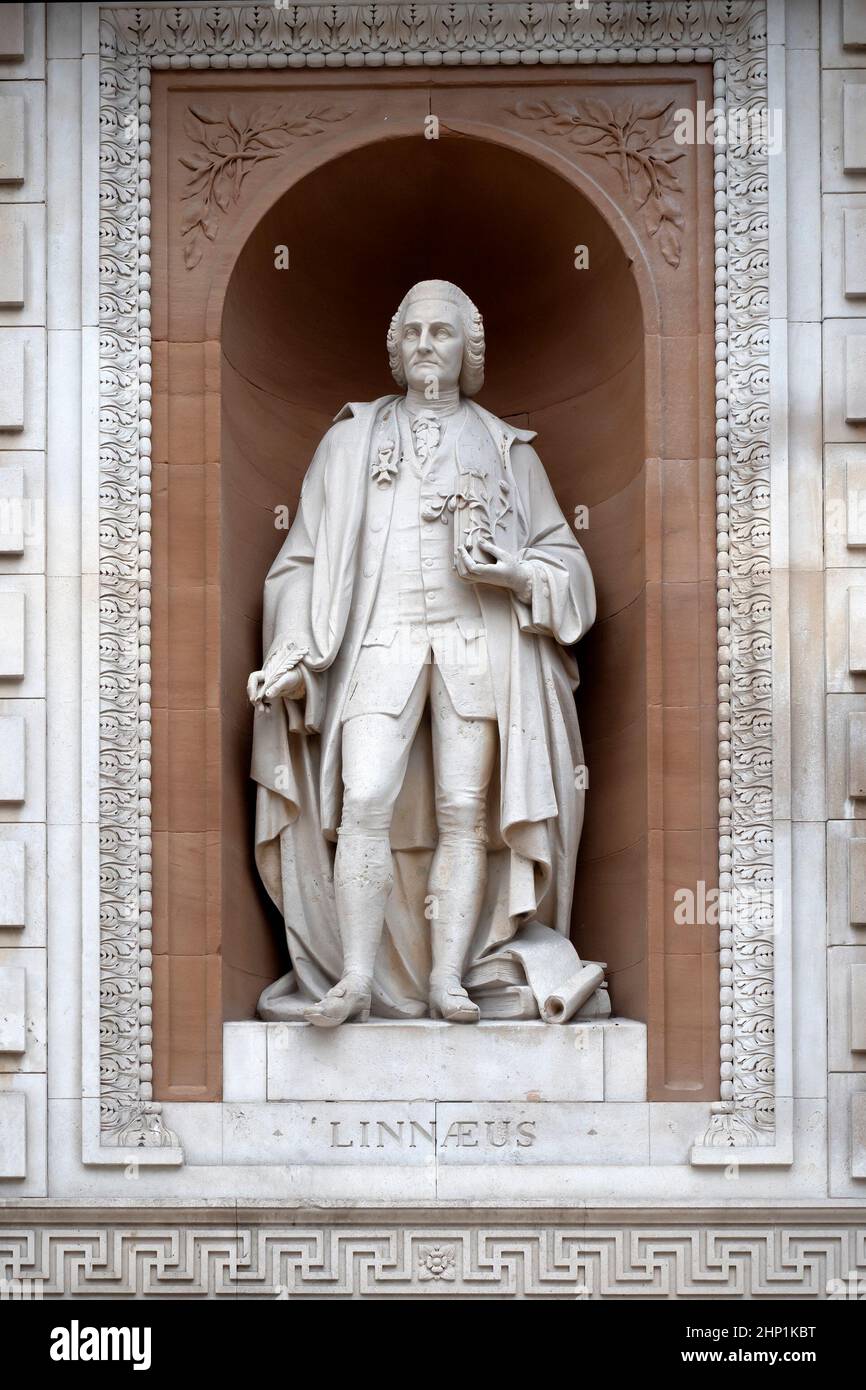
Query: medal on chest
[476,497]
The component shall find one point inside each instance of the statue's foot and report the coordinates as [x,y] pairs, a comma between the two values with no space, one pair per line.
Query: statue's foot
[350,996]
[449,1000]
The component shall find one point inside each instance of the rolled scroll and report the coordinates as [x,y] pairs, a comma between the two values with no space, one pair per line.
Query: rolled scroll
[559,979]
[564,1002]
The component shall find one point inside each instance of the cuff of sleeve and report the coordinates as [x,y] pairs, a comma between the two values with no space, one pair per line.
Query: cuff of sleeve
[534,611]
[524,596]
[540,604]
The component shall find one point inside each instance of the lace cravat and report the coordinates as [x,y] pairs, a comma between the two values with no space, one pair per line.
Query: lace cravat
[426,435]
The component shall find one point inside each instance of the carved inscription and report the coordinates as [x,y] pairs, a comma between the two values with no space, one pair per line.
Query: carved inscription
[480,1133]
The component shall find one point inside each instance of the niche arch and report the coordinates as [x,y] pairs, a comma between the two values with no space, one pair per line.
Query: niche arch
[565,357]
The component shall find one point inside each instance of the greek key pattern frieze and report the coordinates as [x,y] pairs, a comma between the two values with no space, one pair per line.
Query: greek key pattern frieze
[568,1262]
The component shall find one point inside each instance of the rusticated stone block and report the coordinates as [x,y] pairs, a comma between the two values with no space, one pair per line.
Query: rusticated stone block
[854,252]
[11,510]
[858,1008]
[11,33]
[13,778]
[11,379]
[857,753]
[13,1134]
[12,138]
[853,23]
[13,1008]
[11,634]
[854,127]
[11,259]
[13,870]
[855,376]
[857,881]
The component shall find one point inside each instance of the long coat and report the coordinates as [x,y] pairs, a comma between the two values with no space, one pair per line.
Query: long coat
[319,595]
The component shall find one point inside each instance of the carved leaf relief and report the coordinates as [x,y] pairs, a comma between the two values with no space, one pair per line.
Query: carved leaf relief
[636,140]
[224,149]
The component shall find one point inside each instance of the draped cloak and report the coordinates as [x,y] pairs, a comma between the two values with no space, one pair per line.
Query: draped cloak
[319,595]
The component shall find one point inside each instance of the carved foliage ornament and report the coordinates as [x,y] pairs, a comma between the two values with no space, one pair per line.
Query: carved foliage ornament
[514,32]
[637,141]
[224,149]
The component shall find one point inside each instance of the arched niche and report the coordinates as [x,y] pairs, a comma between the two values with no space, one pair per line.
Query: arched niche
[614,375]
[565,358]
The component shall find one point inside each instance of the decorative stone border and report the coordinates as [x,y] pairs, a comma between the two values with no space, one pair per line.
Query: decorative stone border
[809,1254]
[729,33]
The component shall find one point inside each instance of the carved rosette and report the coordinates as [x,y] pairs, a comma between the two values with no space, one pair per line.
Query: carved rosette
[729,33]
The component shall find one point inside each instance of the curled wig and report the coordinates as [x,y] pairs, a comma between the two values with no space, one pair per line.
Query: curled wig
[472,370]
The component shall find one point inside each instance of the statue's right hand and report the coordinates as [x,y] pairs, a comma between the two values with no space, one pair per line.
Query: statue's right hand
[256,687]
[274,684]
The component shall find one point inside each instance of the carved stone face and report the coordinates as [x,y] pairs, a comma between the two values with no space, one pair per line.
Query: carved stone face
[431,343]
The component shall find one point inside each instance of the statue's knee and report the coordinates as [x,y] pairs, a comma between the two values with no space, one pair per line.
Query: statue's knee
[463,814]
[365,810]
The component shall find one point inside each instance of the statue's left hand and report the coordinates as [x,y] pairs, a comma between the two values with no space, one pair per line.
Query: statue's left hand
[505,570]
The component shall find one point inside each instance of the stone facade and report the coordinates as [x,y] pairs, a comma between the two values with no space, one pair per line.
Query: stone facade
[185,1159]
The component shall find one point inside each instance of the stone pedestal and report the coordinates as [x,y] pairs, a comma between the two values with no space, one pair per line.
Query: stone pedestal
[433,1061]
[426,1092]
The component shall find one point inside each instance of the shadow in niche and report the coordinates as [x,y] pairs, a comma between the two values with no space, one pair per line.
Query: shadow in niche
[565,358]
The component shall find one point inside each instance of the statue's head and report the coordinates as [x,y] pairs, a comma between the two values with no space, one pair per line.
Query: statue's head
[437,333]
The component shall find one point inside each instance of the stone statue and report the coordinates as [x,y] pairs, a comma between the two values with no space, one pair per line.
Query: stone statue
[416,710]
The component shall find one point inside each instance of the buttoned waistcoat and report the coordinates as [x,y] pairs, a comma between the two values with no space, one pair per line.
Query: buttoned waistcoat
[422,610]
